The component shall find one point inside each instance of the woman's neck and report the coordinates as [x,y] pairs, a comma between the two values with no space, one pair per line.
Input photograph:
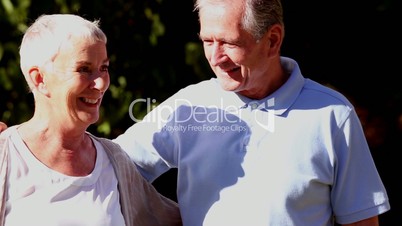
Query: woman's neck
[67,151]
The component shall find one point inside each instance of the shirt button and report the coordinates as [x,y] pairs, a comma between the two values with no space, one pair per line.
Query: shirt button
[253,106]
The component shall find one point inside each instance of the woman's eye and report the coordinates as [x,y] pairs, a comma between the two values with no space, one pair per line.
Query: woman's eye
[84,69]
[105,68]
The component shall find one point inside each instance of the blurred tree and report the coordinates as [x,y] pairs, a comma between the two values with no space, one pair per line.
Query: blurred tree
[15,103]
[149,61]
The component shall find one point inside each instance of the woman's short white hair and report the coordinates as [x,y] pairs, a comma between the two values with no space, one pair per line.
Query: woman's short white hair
[43,39]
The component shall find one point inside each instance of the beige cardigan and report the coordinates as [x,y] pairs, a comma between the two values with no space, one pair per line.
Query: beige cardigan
[141,204]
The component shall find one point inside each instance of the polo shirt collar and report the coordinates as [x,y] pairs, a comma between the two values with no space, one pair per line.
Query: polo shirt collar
[280,100]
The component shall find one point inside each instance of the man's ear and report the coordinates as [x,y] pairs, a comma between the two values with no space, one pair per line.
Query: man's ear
[38,81]
[275,37]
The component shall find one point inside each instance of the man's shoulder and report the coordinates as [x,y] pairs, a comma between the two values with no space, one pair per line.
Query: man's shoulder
[326,92]
[202,89]
[202,85]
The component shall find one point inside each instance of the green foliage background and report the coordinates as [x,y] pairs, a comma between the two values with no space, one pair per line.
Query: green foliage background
[148,59]
[352,46]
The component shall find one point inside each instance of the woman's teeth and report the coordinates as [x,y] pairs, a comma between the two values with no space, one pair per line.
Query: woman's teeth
[90,101]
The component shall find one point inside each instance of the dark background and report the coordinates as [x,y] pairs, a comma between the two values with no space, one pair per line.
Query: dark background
[351,46]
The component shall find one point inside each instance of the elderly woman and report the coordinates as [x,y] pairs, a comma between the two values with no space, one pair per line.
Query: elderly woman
[53,171]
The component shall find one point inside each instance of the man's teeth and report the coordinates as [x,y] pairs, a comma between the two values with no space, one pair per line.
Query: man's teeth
[91,101]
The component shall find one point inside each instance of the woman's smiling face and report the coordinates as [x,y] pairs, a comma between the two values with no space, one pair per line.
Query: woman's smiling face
[77,81]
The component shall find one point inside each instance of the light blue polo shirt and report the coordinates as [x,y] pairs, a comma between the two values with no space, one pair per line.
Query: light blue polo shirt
[296,157]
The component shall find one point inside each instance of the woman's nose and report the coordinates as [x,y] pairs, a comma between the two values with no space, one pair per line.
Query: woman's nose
[101,81]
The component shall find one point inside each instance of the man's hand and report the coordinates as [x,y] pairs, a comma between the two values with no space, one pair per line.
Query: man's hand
[3,126]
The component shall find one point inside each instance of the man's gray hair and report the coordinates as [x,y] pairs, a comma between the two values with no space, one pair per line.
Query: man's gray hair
[258,16]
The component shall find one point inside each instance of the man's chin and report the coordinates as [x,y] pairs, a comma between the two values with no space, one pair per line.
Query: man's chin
[229,85]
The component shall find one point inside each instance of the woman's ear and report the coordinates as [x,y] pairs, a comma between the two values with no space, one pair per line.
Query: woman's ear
[38,81]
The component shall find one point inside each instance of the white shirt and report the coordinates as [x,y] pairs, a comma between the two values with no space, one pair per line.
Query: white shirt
[38,195]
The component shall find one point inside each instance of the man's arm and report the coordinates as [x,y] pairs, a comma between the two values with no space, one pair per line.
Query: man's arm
[3,126]
[372,221]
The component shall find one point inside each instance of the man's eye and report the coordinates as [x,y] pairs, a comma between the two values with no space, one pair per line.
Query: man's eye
[231,45]
[207,42]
